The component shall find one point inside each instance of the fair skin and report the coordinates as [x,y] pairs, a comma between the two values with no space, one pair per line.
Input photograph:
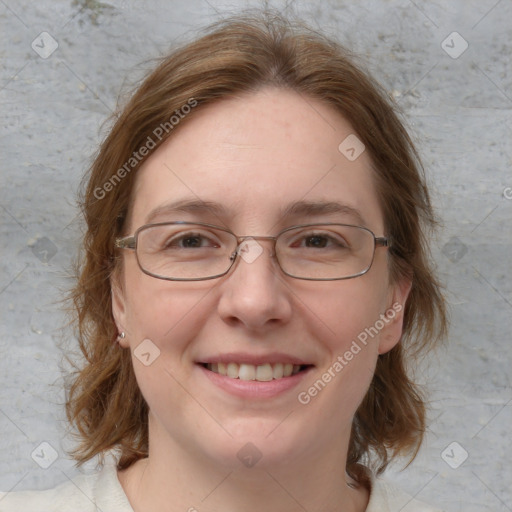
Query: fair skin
[253,154]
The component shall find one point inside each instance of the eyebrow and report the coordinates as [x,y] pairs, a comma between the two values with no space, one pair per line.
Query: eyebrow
[293,210]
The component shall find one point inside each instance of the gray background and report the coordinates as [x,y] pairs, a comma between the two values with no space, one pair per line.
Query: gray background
[459,112]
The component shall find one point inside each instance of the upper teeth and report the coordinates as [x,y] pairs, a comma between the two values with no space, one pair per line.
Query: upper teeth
[264,372]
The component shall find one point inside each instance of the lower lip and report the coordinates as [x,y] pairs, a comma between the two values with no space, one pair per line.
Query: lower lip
[254,388]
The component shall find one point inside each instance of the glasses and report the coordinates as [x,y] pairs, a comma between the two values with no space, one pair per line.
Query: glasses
[186,251]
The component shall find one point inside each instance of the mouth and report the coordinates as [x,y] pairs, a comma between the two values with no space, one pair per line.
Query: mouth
[262,373]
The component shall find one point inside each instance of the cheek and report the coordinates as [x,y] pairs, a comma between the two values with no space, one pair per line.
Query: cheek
[345,311]
[347,319]
[163,319]
[331,396]
[161,310]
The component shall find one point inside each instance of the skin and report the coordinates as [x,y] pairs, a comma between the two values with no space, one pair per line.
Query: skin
[254,154]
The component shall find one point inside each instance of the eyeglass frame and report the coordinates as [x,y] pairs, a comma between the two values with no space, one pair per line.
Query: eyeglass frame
[130,242]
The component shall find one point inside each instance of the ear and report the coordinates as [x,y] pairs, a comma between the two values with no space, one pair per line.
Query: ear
[394,315]
[119,307]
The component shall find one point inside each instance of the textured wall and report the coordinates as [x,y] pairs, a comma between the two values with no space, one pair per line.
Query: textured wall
[458,102]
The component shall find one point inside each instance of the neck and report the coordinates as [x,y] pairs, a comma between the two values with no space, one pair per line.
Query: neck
[173,479]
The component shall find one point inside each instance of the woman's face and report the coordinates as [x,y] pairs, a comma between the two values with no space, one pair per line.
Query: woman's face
[254,156]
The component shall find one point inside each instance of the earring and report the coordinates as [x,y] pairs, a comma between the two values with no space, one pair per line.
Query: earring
[120,336]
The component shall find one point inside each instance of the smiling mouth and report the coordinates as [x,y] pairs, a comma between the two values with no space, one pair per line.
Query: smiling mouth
[261,373]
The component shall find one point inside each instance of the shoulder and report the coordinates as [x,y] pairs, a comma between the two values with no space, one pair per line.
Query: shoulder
[87,493]
[385,497]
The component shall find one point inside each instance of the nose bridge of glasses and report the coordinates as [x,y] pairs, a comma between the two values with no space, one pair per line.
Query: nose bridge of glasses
[241,238]
[249,248]
[244,238]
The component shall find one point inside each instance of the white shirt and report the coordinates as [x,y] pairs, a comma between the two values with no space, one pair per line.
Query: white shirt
[102,492]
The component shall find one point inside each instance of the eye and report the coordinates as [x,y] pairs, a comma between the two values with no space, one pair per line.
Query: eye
[189,241]
[320,241]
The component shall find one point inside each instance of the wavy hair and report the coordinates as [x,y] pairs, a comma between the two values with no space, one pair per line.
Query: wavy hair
[236,55]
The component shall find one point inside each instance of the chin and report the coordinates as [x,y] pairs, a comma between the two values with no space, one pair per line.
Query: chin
[264,444]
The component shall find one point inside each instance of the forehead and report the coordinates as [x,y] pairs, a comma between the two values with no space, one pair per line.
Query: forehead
[257,161]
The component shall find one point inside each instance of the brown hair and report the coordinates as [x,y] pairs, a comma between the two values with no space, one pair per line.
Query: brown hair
[240,55]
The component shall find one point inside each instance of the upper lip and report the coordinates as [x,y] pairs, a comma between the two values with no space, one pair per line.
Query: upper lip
[254,359]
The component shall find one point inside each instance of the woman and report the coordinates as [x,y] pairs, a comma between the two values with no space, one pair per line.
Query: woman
[255,280]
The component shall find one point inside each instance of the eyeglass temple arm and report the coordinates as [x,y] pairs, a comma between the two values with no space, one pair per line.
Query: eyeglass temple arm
[128,242]
[381,240]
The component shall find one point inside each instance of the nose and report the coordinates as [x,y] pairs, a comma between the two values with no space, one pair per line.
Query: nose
[254,292]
